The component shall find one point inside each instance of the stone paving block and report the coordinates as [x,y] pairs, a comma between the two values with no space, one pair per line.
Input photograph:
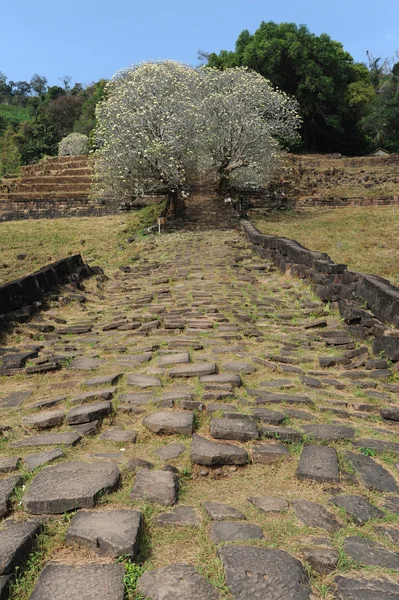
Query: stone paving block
[223,378]
[164,422]
[144,381]
[329,433]
[357,507]
[367,552]
[16,542]
[205,452]
[80,582]
[269,453]
[67,438]
[231,531]
[7,487]
[193,370]
[366,589]
[319,463]
[181,516]
[222,512]
[88,412]
[269,504]
[372,475]
[275,574]
[314,515]
[170,451]
[33,461]
[110,379]
[107,532]
[8,464]
[176,582]
[241,430]
[44,419]
[70,485]
[160,487]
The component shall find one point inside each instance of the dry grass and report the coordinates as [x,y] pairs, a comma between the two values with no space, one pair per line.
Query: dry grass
[102,240]
[364,238]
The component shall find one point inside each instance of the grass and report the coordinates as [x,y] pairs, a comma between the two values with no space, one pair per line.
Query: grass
[102,240]
[364,238]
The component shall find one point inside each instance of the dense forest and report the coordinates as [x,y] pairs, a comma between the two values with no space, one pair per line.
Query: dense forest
[346,107]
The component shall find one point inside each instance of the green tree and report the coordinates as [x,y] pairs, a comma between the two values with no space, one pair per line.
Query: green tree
[317,71]
[10,157]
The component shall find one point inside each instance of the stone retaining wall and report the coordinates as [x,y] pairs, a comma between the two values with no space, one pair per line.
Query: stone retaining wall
[21,298]
[16,210]
[368,304]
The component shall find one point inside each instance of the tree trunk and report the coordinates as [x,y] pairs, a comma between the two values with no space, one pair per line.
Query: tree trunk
[176,203]
[224,184]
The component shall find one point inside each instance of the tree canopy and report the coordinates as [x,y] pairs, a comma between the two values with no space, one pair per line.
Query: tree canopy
[329,86]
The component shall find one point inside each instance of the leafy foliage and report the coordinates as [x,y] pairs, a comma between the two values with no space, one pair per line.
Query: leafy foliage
[73,144]
[314,69]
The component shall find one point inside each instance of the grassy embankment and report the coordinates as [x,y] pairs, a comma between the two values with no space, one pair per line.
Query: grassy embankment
[364,238]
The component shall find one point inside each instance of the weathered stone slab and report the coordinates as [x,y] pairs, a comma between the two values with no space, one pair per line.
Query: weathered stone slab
[32,461]
[16,542]
[366,552]
[117,434]
[319,463]
[180,358]
[104,394]
[269,453]
[284,434]
[222,379]
[193,370]
[357,507]
[8,464]
[76,582]
[329,433]
[175,582]
[170,422]
[377,445]
[389,532]
[230,531]
[111,379]
[269,504]
[170,451]
[7,487]
[222,512]
[314,515]
[88,412]
[264,574]
[70,485]
[159,487]
[44,420]
[240,430]
[205,452]
[68,438]
[372,475]
[87,429]
[273,417]
[144,381]
[366,589]
[390,413]
[239,367]
[14,399]
[182,516]
[107,532]
[85,364]
[323,560]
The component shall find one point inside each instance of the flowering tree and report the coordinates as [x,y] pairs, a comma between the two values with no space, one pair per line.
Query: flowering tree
[245,124]
[73,144]
[161,123]
[147,130]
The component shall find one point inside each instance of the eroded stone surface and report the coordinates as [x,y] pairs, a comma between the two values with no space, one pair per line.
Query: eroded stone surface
[16,542]
[230,531]
[372,475]
[159,487]
[222,512]
[314,515]
[205,452]
[357,507]
[170,422]
[240,429]
[75,582]
[367,552]
[176,582]
[319,463]
[181,516]
[33,461]
[7,487]
[70,485]
[107,532]
[264,574]
[269,504]
[366,589]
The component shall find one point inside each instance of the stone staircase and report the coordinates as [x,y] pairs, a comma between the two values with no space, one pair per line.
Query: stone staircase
[204,212]
[195,398]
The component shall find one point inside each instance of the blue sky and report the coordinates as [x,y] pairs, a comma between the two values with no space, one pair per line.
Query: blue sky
[91,39]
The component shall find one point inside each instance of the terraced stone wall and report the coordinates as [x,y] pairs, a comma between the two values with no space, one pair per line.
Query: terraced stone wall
[22,297]
[369,304]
